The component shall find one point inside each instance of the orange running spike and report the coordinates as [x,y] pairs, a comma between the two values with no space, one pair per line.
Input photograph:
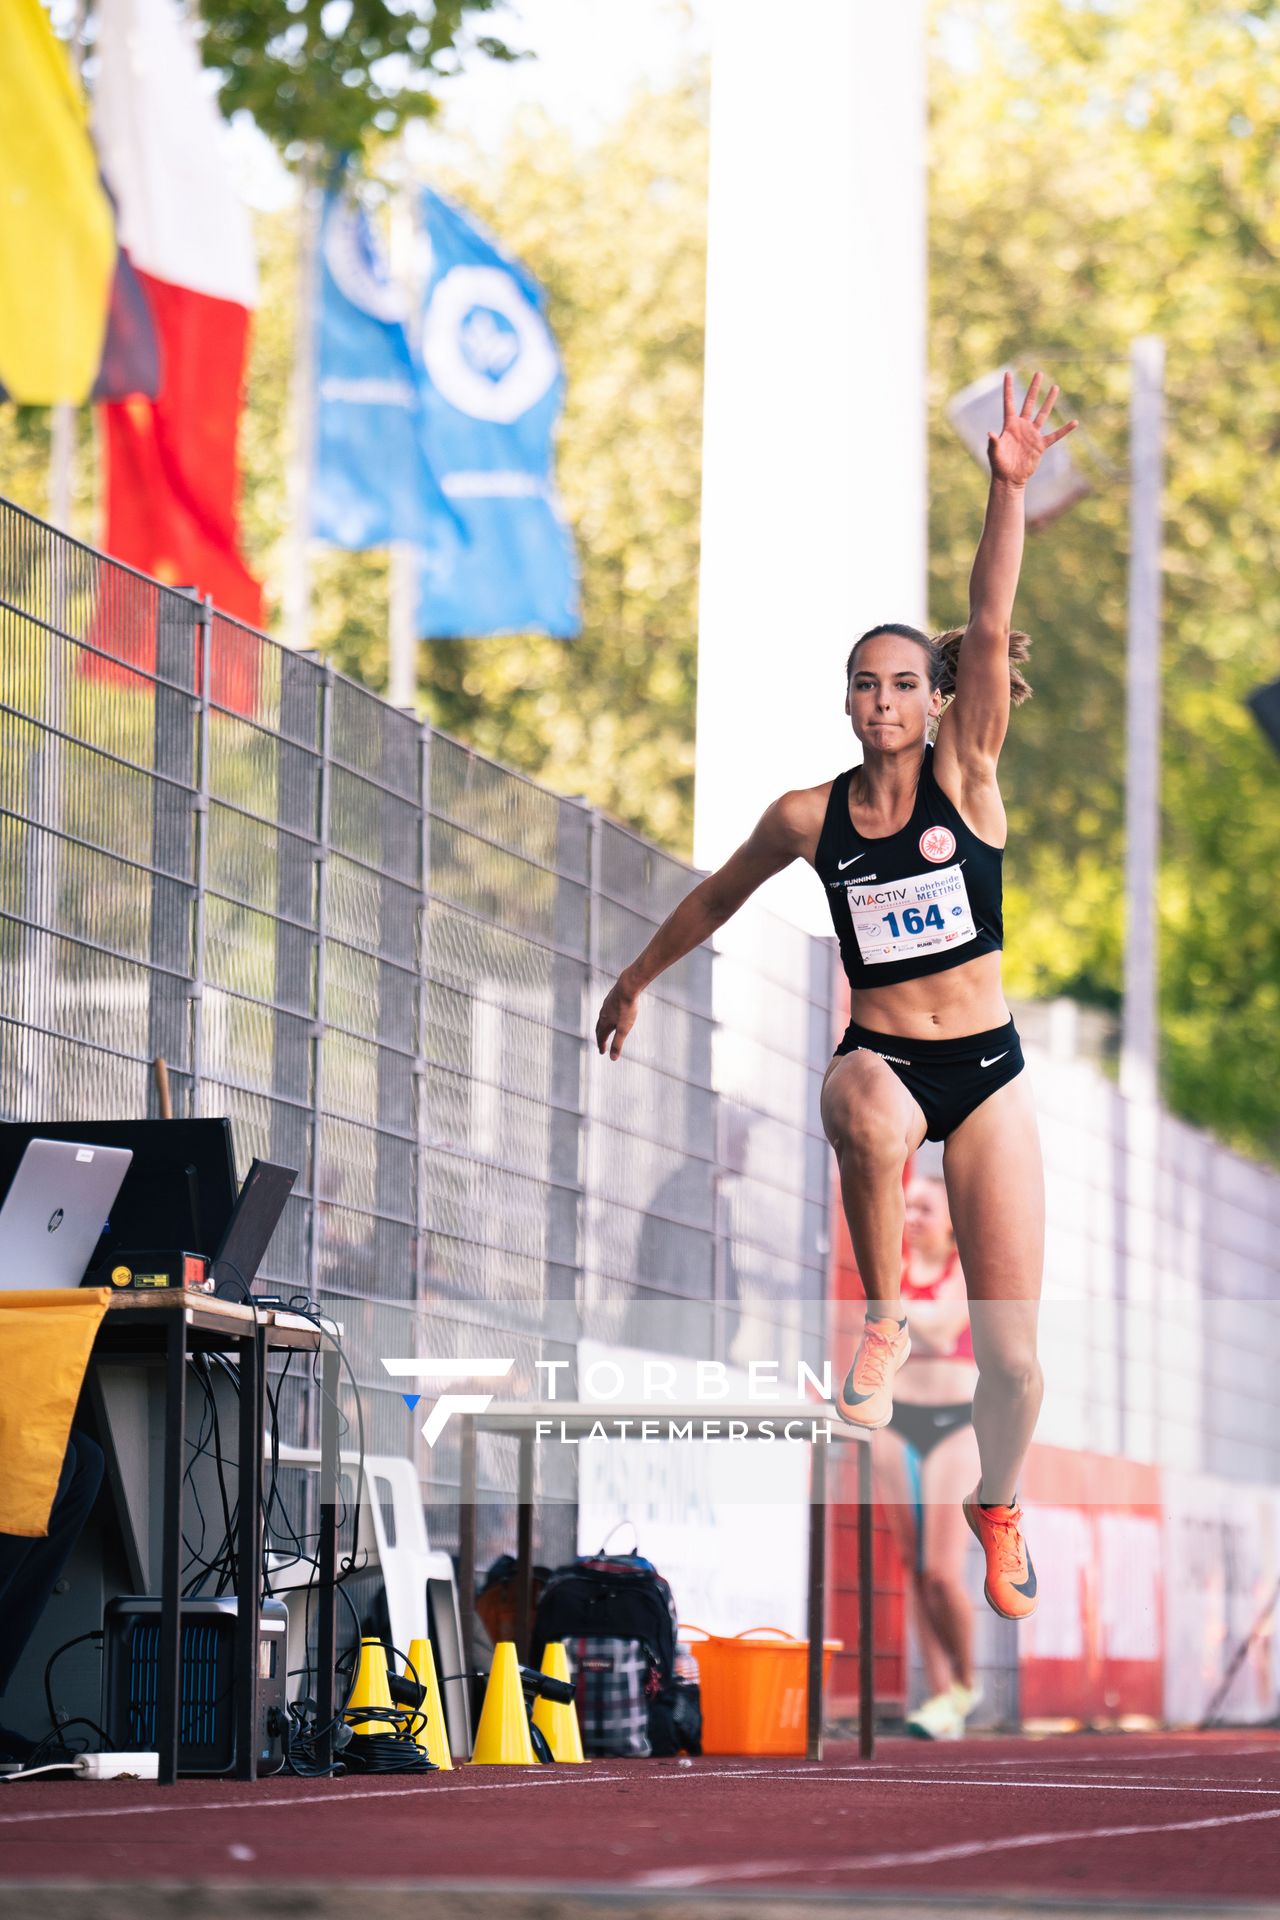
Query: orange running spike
[1010,1585]
[866,1398]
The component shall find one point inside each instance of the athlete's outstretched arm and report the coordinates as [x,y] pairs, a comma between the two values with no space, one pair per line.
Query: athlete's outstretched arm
[979,716]
[784,832]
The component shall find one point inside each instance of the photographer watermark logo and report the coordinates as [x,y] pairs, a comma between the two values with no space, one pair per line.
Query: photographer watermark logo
[614,1399]
[433,1426]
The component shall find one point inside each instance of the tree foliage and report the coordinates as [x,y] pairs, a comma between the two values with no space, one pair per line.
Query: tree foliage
[1100,172]
[331,74]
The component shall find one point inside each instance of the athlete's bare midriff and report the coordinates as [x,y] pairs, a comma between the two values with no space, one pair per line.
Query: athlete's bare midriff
[939,1006]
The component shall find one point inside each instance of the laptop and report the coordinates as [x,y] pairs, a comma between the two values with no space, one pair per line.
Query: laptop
[54,1211]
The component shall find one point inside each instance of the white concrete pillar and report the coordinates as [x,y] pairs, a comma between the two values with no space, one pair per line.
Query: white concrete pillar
[813,501]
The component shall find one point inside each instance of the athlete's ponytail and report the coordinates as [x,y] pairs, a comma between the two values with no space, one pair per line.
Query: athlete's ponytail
[946,650]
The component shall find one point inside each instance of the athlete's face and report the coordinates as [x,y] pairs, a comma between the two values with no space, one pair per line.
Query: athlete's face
[929,1229]
[890,701]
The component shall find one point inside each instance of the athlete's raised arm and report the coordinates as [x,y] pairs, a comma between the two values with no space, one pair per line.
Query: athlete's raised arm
[786,831]
[974,726]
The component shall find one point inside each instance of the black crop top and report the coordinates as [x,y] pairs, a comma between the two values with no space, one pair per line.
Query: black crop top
[913,902]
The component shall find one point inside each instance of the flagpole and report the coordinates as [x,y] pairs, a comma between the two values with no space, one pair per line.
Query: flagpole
[297,557]
[402,608]
[402,639]
[62,440]
[62,419]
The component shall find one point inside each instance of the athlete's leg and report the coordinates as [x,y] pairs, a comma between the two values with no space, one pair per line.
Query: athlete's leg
[947,1473]
[935,1655]
[873,1124]
[894,1493]
[995,1188]
[896,1498]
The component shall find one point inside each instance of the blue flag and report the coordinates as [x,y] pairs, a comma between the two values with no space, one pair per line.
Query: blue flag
[491,389]
[371,480]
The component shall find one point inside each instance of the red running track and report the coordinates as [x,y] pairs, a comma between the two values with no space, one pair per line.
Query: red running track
[1137,1816]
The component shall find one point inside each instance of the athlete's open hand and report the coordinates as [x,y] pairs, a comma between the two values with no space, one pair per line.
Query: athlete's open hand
[617,1017]
[1016,451]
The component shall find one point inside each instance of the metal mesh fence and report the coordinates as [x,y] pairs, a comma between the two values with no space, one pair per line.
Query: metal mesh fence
[381,956]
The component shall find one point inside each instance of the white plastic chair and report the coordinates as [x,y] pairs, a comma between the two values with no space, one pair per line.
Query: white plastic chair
[419,1581]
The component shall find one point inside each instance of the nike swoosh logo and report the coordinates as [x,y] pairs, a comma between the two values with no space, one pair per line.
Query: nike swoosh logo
[842,864]
[994,1058]
[1028,1587]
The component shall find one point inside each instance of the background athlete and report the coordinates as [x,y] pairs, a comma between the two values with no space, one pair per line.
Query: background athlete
[908,846]
[925,1460]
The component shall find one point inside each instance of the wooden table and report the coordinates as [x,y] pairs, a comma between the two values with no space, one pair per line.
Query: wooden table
[170,1325]
[521,1420]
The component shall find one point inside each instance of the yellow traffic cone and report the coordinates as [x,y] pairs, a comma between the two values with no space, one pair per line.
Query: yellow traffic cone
[370,1690]
[502,1738]
[559,1720]
[427,1726]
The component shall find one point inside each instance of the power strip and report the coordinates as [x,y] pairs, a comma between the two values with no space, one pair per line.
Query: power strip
[118,1766]
[89,1766]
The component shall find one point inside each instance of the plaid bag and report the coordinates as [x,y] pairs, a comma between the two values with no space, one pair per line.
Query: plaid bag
[617,1619]
[612,1678]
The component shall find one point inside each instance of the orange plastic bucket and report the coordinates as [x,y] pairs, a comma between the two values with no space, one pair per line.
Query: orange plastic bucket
[755,1693]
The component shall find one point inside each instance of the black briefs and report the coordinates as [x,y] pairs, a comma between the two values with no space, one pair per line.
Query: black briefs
[923,1427]
[946,1078]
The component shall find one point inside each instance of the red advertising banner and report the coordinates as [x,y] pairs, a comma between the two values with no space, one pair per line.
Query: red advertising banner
[1093,1652]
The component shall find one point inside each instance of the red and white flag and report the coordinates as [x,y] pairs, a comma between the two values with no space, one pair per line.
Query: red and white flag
[172,467]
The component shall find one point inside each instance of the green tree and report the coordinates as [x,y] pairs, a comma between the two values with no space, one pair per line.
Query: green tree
[1098,172]
[332,74]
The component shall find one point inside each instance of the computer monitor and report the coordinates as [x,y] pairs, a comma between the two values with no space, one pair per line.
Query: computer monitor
[180,1189]
[1265,702]
[257,1213]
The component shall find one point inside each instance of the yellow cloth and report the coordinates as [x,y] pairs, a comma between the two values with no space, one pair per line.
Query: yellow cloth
[45,1342]
[57,230]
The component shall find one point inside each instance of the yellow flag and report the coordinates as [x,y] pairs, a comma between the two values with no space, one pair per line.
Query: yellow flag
[57,232]
[46,1338]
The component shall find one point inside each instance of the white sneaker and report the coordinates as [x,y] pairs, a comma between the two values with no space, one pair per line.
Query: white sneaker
[937,1719]
[965,1699]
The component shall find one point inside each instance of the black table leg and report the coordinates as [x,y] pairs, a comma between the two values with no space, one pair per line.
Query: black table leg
[168,1694]
[467,1541]
[467,1522]
[326,1625]
[866,1609]
[524,1548]
[249,1555]
[817,1593]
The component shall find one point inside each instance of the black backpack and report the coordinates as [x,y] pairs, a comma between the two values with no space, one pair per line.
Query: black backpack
[617,1619]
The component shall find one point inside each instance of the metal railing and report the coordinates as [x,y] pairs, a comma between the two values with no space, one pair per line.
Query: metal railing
[381,955]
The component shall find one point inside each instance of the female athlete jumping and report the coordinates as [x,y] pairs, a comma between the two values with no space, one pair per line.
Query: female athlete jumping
[909,848]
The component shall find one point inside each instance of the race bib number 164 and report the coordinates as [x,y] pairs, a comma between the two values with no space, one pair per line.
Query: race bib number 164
[928,913]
